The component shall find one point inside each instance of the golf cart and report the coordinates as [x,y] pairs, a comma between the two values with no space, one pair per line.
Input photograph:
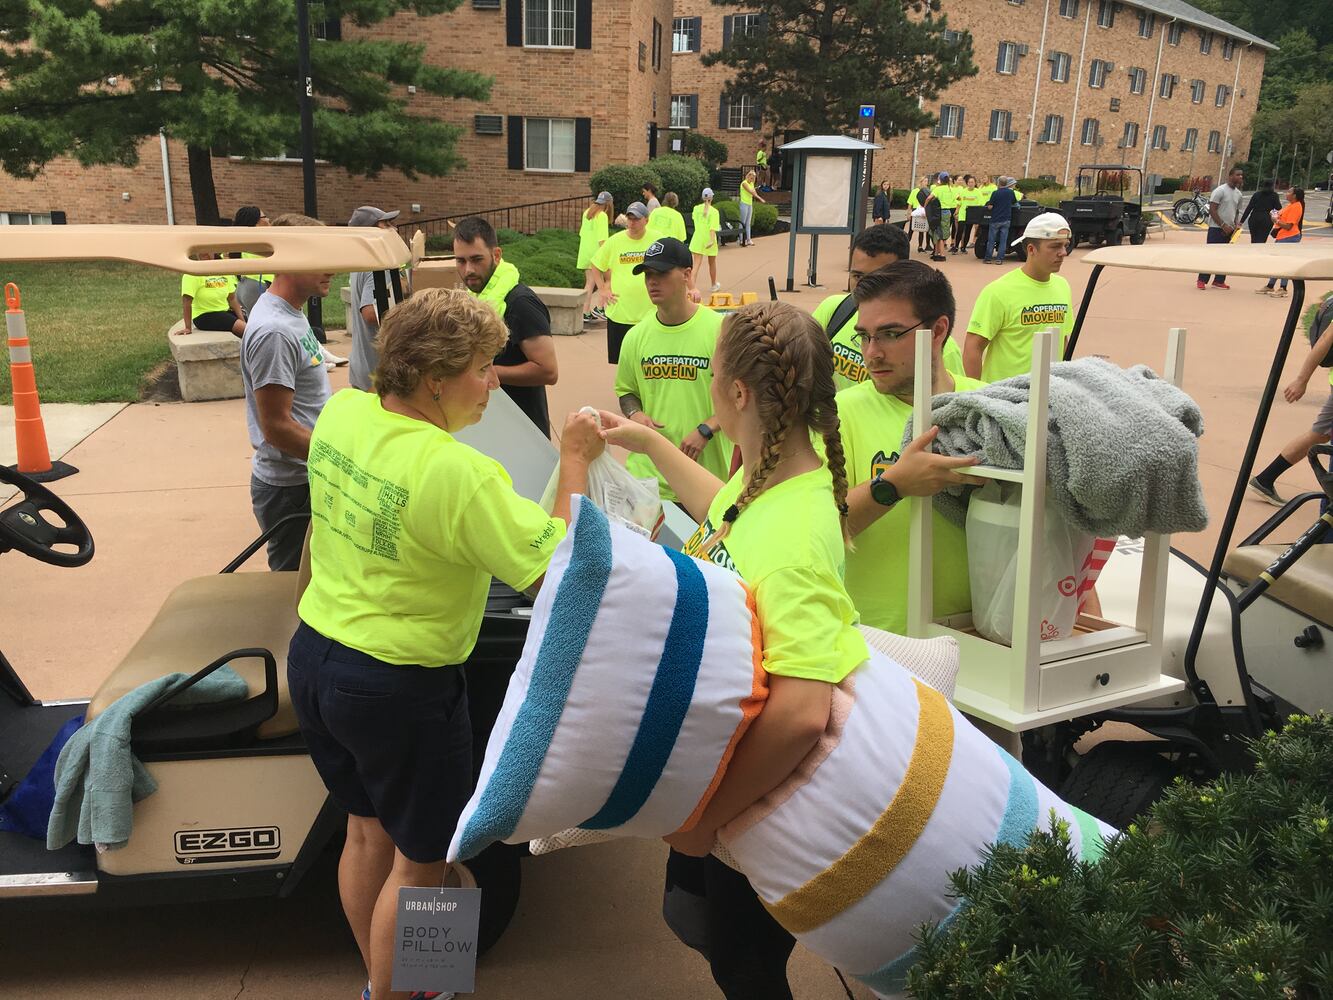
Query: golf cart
[1099,213]
[1186,674]
[1024,212]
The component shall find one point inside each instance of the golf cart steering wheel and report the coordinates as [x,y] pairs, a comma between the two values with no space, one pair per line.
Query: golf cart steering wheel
[24,527]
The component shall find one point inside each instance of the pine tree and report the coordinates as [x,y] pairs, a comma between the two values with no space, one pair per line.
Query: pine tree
[93,78]
[816,61]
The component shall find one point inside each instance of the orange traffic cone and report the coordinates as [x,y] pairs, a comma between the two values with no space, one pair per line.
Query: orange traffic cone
[29,431]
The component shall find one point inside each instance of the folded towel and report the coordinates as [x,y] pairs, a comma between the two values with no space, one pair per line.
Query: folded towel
[98,778]
[1122,457]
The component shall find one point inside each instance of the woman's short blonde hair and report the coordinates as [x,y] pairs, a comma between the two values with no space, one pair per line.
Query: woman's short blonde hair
[750,174]
[434,334]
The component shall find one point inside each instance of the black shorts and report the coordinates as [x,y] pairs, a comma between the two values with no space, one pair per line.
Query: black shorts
[222,322]
[389,741]
[615,336]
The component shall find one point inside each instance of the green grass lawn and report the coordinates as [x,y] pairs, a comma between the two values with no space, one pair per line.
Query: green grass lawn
[98,328]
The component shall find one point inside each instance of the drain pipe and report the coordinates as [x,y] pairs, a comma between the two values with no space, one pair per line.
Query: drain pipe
[166,178]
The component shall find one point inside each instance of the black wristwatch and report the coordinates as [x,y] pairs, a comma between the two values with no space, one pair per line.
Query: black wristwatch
[706,431]
[884,492]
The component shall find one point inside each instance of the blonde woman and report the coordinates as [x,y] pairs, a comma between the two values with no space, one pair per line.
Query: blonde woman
[707,233]
[594,228]
[748,194]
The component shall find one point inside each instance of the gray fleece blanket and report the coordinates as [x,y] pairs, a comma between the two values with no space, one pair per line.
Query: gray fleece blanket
[1122,456]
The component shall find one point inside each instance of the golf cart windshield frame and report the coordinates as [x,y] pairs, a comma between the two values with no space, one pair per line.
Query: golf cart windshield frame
[1097,170]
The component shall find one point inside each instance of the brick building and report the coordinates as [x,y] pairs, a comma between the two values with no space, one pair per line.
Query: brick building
[1156,84]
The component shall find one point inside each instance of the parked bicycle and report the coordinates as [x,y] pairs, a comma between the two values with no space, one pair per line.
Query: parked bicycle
[1188,211]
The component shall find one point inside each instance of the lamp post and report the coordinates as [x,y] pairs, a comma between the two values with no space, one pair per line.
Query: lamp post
[306,97]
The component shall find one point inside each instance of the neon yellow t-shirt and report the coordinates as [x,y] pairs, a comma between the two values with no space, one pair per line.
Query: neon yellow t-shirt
[707,221]
[409,527]
[670,369]
[848,366]
[761,158]
[258,277]
[746,197]
[787,545]
[209,293]
[969,199]
[946,195]
[877,570]
[1009,310]
[620,254]
[592,234]
[666,221]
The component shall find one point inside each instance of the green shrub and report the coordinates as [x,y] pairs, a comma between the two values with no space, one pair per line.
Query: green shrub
[1050,198]
[1169,185]
[1029,185]
[728,210]
[625,182]
[765,219]
[682,174]
[1221,891]
[711,151]
[509,236]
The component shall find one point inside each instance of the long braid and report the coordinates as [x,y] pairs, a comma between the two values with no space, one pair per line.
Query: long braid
[824,419]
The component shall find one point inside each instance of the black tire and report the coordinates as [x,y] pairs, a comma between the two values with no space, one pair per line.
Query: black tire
[1138,238]
[1117,782]
[1021,252]
[983,240]
[498,871]
[1185,212]
[1117,237]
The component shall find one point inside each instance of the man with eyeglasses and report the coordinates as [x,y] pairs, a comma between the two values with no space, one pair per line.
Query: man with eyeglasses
[875,247]
[893,303]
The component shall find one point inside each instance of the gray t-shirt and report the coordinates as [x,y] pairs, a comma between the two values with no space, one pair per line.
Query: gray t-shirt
[1227,199]
[279,348]
[365,349]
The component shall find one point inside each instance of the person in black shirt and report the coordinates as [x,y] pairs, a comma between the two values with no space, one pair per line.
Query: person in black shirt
[527,364]
[1264,201]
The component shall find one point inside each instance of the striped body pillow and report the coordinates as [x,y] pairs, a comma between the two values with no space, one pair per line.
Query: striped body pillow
[641,671]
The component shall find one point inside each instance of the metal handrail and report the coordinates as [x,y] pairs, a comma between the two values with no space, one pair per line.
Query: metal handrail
[558,213]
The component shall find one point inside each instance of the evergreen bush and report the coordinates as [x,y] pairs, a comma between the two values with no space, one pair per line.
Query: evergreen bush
[682,174]
[625,182]
[765,219]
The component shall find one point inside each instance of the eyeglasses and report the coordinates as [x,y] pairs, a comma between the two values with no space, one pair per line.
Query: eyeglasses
[882,337]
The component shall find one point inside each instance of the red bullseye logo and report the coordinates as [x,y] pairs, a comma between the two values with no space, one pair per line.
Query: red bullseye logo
[1068,586]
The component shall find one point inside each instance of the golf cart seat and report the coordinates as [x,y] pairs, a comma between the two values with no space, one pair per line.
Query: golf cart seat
[1306,586]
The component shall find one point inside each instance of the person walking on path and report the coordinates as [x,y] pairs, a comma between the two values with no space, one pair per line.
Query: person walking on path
[667,220]
[624,296]
[704,242]
[1287,228]
[594,228]
[748,195]
[879,213]
[1223,219]
[1012,308]
[1001,203]
[1259,212]
[969,200]
[945,197]
[363,318]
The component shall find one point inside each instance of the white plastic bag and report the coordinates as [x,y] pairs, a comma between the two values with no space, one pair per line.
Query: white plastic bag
[617,492]
[992,559]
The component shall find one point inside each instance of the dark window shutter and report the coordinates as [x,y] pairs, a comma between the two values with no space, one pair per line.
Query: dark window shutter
[723,106]
[694,111]
[514,22]
[999,59]
[583,24]
[938,130]
[960,121]
[515,126]
[757,115]
[582,145]
[696,40]
[763,25]
[726,31]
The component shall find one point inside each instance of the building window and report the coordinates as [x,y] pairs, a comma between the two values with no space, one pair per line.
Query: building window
[999,126]
[1228,48]
[330,30]
[1069,8]
[1147,24]
[1097,73]
[1191,140]
[1214,141]
[25,218]
[1053,129]
[951,122]
[1205,41]
[643,57]
[1197,88]
[740,112]
[684,111]
[1138,80]
[1168,85]
[745,25]
[1174,33]
[657,45]
[1223,92]
[685,34]
[1060,63]
[548,144]
[1131,137]
[1105,13]
[1006,62]
[1159,137]
[1091,132]
[548,24]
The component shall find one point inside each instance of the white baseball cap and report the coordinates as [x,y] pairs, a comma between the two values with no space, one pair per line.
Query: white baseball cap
[1047,226]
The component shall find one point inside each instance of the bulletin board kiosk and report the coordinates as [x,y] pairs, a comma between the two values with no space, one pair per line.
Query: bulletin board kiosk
[828,195]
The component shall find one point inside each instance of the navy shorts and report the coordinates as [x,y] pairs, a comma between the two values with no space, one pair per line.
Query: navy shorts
[389,741]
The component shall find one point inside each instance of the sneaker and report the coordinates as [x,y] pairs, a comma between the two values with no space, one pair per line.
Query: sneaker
[1264,290]
[1201,285]
[588,317]
[332,358]
[1267,492]
[1221,284]
[938,256]
[1278,293]
[329,366]
[717,286]
[599,313]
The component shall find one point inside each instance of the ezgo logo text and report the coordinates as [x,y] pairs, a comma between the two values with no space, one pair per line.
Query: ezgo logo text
[205,847]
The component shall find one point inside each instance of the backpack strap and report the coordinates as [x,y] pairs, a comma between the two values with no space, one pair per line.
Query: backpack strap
[845,311]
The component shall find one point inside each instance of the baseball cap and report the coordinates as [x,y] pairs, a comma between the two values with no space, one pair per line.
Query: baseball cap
[1047,226]
[603,198]
[944,175]
[665,254]
[369,215]
[706,193]
[637,208]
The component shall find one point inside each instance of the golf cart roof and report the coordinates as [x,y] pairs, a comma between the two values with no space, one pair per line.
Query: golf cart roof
[1109,166]
[284,249]
[1308,261]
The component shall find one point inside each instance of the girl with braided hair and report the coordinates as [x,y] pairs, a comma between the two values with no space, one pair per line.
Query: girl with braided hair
[780,523]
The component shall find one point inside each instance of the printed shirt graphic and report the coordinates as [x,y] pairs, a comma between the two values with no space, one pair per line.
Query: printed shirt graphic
[620,255]
[707,221]
[787,545]
[208,293]
[877,571]
[409,527]
[848,366]
[670,369]
[1007,313]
